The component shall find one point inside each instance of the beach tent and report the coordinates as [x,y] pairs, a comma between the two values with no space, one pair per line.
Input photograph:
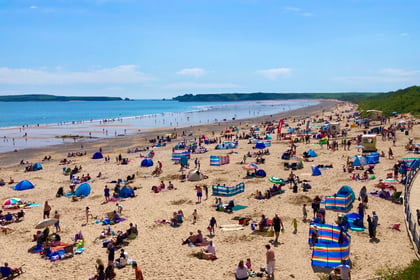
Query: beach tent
[146,162]
[12,203]
[330,248]
[372,158]
[219,190]
[195,175]
[260,173]
[97,155]
[23,185]
[342,200]
[260,145]
[176,156]
[316,171]
[354,222]
[359,160]
[226,145]
[312,153]
[37,166]
[126,192]
[219,160]
[83,190]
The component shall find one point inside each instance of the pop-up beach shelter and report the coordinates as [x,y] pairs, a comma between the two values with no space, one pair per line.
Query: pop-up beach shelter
[260,173]
[83,190]
[97,155]
[195,175]
[126,192]
[219,190]
[342,200]
[312,153]
[316,171]
[37,166]
[333,245]
[23,185]
[146,162]
[359,160]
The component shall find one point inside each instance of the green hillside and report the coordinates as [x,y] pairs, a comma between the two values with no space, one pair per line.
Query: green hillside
[401,101]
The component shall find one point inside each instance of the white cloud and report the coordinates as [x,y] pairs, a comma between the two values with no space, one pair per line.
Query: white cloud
[187,85]
[119,74]
[298,11]
[387,75]
[275,73]
[194,72]
[404,34]
[33,7]
[399,72]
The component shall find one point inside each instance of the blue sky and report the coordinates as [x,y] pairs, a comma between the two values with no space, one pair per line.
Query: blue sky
[161,49]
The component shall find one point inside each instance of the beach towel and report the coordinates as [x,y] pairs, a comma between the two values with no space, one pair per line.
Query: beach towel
[238,207]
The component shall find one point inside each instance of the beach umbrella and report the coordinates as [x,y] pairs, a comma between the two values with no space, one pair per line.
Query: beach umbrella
[390,181]
[11,201]
[45,223]
[250,166]
[275,180]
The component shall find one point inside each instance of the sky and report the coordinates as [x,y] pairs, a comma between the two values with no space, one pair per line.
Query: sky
[165,48]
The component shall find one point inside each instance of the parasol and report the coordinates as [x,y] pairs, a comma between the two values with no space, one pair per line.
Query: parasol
[46,223]
[250,166]
[275,180]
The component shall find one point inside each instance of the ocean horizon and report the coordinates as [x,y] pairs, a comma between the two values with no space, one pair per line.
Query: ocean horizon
[38,124]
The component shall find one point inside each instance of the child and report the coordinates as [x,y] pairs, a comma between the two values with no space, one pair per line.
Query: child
[248,264]
[119,208]
[294,223]
[195,215]
[305,213]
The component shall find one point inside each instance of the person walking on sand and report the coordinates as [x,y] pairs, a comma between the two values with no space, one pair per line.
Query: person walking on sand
[88,214]
[305,213]
[212,225]
[199,193]
[271,261]
[195,216]
[206,191]
[57,224]
[295,224]
[278,225]
[106,193]
[47,210]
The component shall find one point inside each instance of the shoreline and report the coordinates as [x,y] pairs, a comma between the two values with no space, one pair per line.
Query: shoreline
[6,158]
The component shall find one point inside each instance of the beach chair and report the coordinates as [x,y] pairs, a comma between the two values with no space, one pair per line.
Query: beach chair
[68,251]
[396,198]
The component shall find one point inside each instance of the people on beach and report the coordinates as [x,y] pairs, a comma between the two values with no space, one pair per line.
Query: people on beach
[278,226]
[57,223]
[270,260]
[88,214]
[137,271]
[241,272]
[212,225]
[47,210]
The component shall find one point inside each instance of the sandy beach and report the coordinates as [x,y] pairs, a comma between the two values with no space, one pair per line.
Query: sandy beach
[158,249]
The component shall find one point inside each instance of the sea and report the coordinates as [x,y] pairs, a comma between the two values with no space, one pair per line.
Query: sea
[39,124]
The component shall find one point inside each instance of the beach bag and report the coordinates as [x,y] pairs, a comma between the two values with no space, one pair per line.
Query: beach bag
[270,233]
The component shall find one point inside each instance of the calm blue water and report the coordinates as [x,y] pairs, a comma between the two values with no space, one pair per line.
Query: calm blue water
[45,121]
[32,113]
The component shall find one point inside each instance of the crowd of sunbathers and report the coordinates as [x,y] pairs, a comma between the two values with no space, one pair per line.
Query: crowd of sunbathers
[9,218]
[163,187]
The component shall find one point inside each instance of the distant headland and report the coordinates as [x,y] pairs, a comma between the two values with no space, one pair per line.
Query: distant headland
[47,97]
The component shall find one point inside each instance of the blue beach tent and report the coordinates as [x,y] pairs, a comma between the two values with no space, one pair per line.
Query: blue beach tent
[37,166]
[312,153]
[316,171]
[260,173]
[83,190]
[126,192]
[146,162]
[23,185]
[97,155]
